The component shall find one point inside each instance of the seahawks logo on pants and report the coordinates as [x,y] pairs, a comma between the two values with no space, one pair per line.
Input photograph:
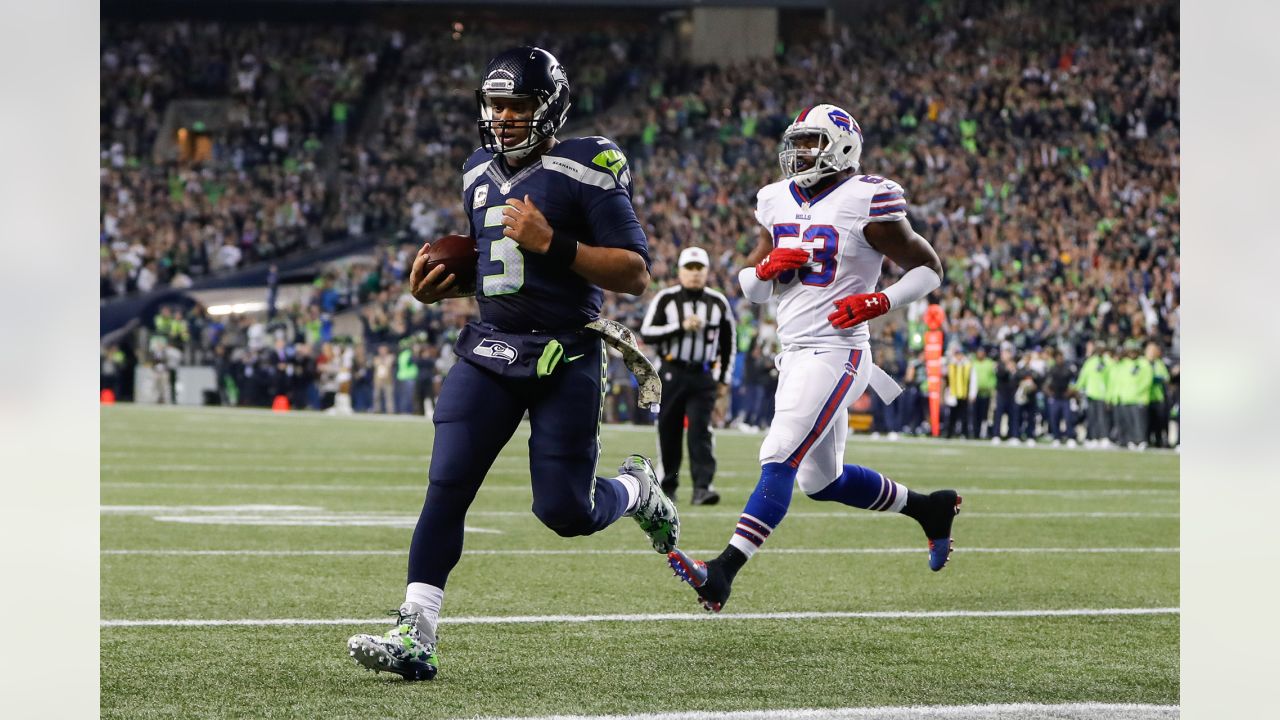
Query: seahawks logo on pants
[495,349]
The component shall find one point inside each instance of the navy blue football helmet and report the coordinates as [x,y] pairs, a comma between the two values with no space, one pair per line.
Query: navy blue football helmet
[519,73]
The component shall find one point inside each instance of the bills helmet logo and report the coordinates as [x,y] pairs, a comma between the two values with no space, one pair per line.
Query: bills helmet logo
[845,122]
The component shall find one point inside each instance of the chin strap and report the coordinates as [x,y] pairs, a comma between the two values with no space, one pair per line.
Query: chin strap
[620,338]
[521,153]
[810,180]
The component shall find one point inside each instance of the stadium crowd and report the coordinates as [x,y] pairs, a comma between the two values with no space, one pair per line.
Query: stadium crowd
[259,193]
[1038,144]
[401,180]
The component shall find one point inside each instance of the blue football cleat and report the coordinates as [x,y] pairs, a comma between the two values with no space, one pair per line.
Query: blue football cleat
[946,505]
[707,578]
[939,553]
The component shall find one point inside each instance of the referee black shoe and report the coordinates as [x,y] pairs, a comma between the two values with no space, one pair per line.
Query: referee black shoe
[705,496]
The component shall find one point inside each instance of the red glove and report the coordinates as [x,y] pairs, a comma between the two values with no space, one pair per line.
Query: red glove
[780,261]
[858,309]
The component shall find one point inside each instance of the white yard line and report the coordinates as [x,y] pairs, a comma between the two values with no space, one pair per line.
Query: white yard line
[357,470]
[275,487]
[646,553]
[271,515]
[1009,711]
[1064,493]
[657,617]
[372,487]
[150,509]
[237,516]
[855,515]
[245,456]
[411,520]
[329,520]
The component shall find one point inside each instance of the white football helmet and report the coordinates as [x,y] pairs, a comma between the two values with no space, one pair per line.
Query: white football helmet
[838,146]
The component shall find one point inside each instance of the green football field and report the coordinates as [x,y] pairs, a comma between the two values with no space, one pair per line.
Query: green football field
[241,548]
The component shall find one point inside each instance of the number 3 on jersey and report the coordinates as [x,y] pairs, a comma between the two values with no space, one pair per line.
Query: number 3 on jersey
[821,240]
[505,252]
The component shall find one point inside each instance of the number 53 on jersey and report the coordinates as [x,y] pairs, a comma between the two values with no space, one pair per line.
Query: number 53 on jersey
[823,241]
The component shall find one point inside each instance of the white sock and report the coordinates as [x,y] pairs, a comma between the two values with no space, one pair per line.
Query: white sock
[893,496]
[747,548]
[633,492]
[430,598]
[749,535]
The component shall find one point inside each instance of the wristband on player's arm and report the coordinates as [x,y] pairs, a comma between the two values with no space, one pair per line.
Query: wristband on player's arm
[563,249]
[753,288]
[918,282]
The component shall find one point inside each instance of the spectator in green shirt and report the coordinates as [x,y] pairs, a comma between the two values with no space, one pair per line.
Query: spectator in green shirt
[1112,371]
[1158,410]
[1135,375]
[981,388]
[1092,384]
[406,377]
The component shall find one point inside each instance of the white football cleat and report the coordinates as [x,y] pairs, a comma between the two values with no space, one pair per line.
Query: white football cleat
[408,649]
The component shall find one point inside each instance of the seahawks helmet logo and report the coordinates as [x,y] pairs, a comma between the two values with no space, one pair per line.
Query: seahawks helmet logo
[495,84]
[495,349]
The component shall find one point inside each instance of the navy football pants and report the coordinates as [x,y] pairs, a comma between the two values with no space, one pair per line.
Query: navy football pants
[476,414]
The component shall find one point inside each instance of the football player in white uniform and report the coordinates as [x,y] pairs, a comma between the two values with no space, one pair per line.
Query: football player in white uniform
[826,232]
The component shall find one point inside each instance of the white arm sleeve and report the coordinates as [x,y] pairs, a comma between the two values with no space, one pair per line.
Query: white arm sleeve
[918,282]
[755,289]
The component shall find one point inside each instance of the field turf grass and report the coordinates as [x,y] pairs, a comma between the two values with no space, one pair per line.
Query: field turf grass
[311,516]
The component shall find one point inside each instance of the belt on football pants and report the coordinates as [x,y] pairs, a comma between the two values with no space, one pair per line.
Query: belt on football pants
[881,383]
[620,338]
[884,385]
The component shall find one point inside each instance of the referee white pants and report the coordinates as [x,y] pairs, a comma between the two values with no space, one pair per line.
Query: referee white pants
[816,386]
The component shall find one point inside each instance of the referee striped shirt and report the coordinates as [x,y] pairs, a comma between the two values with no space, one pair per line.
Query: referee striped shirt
[711,346]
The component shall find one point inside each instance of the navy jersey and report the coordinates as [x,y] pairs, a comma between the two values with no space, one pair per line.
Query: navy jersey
[583,187]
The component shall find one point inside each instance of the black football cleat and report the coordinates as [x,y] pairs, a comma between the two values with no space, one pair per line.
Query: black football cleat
[707,578]
[944,505]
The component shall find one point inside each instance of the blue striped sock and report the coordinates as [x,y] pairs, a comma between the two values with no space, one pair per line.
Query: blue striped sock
[862,487]
[765,508]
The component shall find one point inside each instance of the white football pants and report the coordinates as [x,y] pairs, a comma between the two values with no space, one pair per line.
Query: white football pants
[816,386]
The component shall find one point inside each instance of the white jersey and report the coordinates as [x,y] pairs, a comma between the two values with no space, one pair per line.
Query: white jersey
[830,225]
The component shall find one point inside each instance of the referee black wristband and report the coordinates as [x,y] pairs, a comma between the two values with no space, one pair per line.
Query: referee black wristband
[562,250]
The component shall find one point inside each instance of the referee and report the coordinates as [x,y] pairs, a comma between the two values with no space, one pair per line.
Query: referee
[693,329]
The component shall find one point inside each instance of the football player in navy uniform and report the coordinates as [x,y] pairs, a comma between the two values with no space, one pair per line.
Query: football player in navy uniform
[554,224]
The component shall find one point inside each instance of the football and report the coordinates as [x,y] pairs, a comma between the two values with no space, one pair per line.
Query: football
[459,256]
